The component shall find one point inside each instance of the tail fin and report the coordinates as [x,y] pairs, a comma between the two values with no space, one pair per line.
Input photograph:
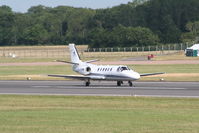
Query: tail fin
[74,54]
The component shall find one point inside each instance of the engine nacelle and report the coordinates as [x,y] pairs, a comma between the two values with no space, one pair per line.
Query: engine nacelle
[85,70]
[88,69]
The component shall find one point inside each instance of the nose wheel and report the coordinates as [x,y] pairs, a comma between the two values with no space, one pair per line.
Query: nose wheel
[130,83]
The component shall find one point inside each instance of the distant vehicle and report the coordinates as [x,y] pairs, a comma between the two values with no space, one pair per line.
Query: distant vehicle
[88,71]
[192,51]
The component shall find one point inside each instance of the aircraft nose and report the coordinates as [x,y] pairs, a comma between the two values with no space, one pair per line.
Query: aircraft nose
[136,75]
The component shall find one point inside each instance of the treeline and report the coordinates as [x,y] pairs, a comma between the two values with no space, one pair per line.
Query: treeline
[138,23]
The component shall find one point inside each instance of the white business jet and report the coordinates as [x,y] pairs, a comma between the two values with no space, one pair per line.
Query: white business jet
[90,71]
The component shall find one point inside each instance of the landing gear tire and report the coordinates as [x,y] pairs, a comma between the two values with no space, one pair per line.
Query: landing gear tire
[130,83]
[87,83]
[119,83]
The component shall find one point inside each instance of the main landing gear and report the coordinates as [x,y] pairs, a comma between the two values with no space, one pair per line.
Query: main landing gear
[87,83]
[119,83]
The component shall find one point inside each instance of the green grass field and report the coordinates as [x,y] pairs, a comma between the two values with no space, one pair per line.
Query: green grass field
[66,69]
[67,114]
[75,114]
[28,60]
[191,72]
[175,56]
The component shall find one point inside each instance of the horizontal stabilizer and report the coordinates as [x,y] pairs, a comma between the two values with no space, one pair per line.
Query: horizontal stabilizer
[92,61]
[68,62]
[150,74]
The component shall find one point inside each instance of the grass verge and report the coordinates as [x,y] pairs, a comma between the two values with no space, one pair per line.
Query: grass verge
[29,60]
[74,114]
[177,72]
[176,56]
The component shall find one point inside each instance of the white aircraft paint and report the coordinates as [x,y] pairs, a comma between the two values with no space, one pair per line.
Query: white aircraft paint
[90,71]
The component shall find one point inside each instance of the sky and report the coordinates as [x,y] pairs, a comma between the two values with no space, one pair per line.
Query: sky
[24,5]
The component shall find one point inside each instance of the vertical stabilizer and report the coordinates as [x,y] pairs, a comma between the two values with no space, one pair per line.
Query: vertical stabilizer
[74,54]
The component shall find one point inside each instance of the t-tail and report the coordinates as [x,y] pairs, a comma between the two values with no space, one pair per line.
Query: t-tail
[75,59]
[74,54]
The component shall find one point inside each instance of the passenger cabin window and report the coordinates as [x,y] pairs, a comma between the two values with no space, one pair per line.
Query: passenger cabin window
[105,69]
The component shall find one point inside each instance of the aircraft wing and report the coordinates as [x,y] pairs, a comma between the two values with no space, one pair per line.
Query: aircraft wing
[79,77]
[150,74]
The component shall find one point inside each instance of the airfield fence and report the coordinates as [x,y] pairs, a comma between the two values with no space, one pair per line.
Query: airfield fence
[38,51]
[62,51]
[171,47]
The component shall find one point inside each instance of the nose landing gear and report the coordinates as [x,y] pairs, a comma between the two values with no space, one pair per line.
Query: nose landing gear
[130,83]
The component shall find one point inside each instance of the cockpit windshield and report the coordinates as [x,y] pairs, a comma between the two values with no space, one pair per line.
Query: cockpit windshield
[123,68]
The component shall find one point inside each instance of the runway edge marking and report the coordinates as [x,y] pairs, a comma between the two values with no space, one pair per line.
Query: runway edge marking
[133,95]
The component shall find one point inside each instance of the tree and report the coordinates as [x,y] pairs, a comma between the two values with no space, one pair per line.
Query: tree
[78,27]
[6,25]
[192,32]
[141,22]
[122,36]
[35,35]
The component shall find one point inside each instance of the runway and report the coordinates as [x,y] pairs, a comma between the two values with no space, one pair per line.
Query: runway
[148,89]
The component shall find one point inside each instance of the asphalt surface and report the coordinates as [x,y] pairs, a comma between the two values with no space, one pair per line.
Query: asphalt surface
[103,88]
